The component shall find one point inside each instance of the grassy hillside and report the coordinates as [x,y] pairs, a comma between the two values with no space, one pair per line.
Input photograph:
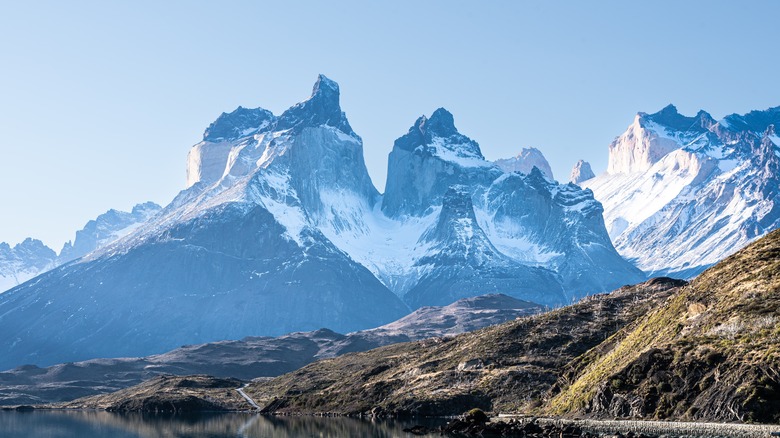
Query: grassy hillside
[171,394]
[509,367]
[711,352]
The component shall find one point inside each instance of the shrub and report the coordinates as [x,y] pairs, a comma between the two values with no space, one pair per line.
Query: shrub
[476,415]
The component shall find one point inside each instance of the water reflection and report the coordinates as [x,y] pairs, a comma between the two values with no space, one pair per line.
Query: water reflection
[88,424]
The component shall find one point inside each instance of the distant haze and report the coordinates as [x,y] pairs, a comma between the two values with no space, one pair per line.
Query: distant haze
[100,101]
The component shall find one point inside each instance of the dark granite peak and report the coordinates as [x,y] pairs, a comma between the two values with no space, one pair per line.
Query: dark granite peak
[757,121]
[671,118]
[322,108]
[441,124]
[326,88]
[241,122]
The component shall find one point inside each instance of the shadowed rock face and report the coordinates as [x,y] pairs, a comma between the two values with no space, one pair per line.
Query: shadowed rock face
[465,260]
[432,157]
[238,123]
[321,109]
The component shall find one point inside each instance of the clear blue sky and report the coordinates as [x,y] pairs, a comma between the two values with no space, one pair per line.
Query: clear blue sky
[100,101]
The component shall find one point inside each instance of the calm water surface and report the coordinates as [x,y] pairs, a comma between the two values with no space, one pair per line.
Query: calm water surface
[89,424]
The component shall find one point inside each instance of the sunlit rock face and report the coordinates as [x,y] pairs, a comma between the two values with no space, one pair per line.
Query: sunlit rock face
[581,172]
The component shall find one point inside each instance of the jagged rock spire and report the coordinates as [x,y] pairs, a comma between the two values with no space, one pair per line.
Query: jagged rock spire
[581,172]
[322,108]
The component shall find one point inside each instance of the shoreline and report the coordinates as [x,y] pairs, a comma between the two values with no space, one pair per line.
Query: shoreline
[656,427]
[594,426]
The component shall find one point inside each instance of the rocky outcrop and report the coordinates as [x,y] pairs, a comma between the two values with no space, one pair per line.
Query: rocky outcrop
[171,395]
[581,172]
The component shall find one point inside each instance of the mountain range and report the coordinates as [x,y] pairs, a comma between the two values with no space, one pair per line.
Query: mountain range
[32,257]
[681,193]
[281,230]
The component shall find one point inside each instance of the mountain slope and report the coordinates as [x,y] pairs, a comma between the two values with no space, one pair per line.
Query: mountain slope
[463,260]
[226,259]
[250,357]
[531,237]
[504,368]
[682,193]
[711,352]
[106,228]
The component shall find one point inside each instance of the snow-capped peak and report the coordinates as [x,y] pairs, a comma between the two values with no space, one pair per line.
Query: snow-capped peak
[234,156]
[23,261]
[437,137]
[652,136]
[683,192]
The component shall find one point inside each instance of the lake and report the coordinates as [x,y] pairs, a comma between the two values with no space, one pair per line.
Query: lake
[93,424]
[89,424]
